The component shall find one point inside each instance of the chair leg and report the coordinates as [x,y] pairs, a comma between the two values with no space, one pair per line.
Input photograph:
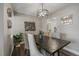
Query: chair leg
[52,54]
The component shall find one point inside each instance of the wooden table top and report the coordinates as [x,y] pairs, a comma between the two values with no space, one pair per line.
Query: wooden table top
[51,45]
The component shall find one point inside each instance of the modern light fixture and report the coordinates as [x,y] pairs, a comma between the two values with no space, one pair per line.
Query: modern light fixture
[66,19]
[42,12]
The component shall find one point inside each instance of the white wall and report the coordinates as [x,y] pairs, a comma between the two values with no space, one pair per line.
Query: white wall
[7,32]
[1,29]
[72,30]
[5,40]
[18,23]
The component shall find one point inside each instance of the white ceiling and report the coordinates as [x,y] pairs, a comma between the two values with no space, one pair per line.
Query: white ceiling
[32,8]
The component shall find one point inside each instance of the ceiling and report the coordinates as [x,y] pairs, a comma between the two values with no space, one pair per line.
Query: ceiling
[32,8]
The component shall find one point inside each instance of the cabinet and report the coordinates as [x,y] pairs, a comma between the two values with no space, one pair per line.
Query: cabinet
[19,49]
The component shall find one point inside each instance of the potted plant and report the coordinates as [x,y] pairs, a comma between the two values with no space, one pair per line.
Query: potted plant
[18,38]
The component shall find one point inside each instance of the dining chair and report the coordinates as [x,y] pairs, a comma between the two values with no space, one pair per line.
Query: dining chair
[32,46]
[62,36]
[46,33]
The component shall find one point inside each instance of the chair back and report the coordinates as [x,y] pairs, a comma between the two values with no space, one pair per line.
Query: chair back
[62,36]
[32,46]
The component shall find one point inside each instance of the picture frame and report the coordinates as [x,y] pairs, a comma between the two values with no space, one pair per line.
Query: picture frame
[67,19]
[29,26]
[9,24]
[9,12]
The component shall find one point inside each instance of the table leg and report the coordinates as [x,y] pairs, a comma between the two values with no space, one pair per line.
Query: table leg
[53,54]
[58,53]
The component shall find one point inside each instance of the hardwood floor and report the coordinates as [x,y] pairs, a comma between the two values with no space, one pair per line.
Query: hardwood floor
[26,53]
[62,53]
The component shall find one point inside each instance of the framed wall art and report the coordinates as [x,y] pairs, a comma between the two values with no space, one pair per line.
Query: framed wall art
[67,19]
[29,26]
[9,24]
[9,12]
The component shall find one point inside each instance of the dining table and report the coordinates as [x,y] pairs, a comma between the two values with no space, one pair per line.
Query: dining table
[51,45]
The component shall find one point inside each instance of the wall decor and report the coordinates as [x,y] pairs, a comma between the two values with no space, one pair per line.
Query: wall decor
[66,19]
[29,26]
[9,24]
[9,12]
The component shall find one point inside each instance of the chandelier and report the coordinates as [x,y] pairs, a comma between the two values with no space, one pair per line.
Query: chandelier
[42,12]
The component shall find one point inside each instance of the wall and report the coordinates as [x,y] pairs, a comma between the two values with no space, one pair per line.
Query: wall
[44,24]
[72,30]
[18,25]
[1,29]
[7,32]
[5,39]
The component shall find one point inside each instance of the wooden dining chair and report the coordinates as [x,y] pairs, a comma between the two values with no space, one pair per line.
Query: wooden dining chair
[62,36]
